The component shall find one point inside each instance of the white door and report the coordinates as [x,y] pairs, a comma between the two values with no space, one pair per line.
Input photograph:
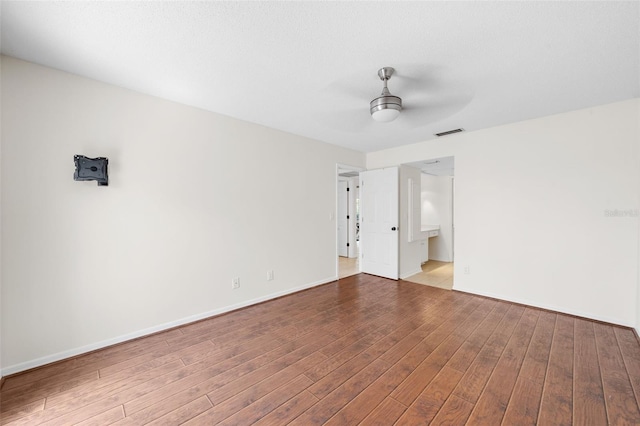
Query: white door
[379,222]
[343,222]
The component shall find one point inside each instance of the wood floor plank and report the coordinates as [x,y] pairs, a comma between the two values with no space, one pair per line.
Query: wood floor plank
[150,356]
[111,385]
[442,345]
[524,404]
[630,348]
[191,375]
[288,411]
[344,372]
[340,375]
[367,400]
[429,402]
[386,413]
[556,405]
[440,316]
[108,417]
[184,413]
[455,411]
[263,406]
[20,411]
[242,344]
[381,388]
[162,401]
[465,355]
[98,402]
[374,329]
[299,360]
[588,396]
[34,391]
[252,402]
[478,373]
[75,393]
[332,403]
[330,364]
[492,404]
[363,350]
[622,407]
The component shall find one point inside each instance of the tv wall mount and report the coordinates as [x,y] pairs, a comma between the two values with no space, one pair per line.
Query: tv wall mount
[91,169]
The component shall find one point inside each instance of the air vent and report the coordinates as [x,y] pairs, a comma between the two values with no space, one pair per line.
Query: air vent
[449,132]
[349,174]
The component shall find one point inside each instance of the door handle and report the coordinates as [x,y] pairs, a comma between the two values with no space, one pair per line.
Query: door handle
[393,228]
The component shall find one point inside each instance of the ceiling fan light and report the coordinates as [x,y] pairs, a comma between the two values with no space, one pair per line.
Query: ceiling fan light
[385,115]
[385,108]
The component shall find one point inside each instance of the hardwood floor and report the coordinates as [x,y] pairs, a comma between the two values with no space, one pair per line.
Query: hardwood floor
[364,350]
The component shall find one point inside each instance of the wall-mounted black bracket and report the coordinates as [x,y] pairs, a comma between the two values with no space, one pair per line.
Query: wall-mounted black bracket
[91,169]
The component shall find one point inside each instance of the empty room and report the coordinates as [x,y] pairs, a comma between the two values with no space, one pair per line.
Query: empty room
[344,213]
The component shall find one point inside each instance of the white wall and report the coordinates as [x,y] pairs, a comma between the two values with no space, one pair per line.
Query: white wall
[436,198]
[637,327]
[530,209]
[194,199]
[1,373]
[409,251]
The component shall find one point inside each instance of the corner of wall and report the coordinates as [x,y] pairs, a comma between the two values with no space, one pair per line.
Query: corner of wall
[409,250]
[637,327]
[1,377]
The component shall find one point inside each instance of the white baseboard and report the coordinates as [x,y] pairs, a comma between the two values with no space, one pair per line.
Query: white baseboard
[23,366]
[549,307]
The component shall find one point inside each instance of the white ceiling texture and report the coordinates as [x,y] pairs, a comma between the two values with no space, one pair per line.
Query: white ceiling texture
[310,68]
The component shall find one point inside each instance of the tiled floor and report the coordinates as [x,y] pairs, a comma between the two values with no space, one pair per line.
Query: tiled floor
[347,267]
[435,274]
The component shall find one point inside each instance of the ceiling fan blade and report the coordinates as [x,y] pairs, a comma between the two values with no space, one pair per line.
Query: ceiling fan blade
[347,120]
[422,113]
[417,77]
[353,90]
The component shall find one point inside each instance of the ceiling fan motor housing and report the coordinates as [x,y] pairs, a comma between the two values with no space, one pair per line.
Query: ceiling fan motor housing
[384,101]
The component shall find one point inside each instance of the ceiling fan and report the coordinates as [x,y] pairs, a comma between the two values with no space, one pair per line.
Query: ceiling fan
[429,94]
[385,107]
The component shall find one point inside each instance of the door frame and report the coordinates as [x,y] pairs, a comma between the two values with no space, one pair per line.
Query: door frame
[340,168]
[342,216]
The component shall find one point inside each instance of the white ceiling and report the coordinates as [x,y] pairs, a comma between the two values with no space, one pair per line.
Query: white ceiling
[310,68]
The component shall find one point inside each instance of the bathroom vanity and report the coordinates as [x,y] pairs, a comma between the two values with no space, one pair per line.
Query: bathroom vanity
[426,232]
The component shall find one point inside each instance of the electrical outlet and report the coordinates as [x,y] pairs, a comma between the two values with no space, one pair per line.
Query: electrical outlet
[235,284]
[467,270]
[269,275]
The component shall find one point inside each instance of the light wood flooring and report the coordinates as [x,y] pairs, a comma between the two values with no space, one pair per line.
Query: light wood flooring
[362,350]
[436,274]
[348,266]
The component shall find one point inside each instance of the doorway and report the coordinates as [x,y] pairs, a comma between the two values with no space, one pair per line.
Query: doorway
[347,221]
[437,222]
